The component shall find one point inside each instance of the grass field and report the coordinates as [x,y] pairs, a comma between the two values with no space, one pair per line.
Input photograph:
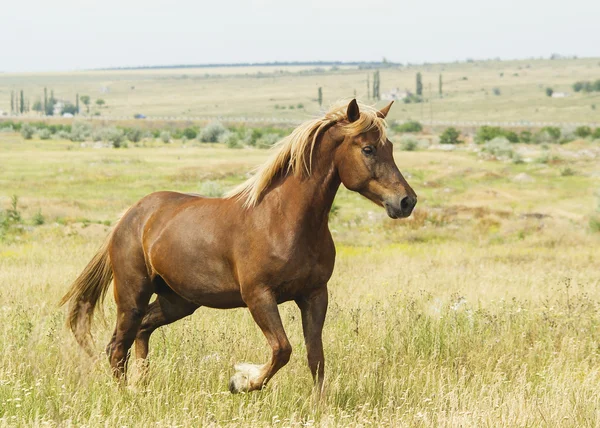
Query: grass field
[468,90]
[481,309]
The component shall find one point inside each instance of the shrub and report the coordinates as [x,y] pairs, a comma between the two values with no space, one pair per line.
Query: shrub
[267,140]
[27,131]
[232,140]
[45,134]
[487,133]
[115,136]
[497,91]
[567,172]
[450,136]
[499,147]
[69,108]
[165,137]
[410,126]
[211,189]
[211,133]
[80,131]
[63,135]
[596,134]
[511,136]
[549,92]
[190,133]
[525,136]
[583,131]
[38,218]
[134,135]
[408,143]
[552,131]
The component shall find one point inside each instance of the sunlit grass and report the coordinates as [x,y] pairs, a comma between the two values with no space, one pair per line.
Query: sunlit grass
[479,310]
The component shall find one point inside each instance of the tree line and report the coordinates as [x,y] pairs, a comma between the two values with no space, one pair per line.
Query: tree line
[46,105]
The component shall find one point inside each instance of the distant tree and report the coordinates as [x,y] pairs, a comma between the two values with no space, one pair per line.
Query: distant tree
[596,85]
[376,86]
[12,102]
[419,85]
[77,102]
[190,133]
[100,102]
[583,131]
[440,86]
[37,106]
[450,136]
[549,91]
[368,87]
[69,108]
[22,109]
[320,96]
[85,99]
[45,99]
[496,91]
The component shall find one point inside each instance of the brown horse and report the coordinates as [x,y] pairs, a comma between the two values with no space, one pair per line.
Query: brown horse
[266,243]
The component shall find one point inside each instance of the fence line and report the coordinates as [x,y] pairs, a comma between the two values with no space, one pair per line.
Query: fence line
[289,121]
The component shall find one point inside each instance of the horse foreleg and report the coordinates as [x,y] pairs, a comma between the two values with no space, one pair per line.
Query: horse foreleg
[313,309]
[263,307]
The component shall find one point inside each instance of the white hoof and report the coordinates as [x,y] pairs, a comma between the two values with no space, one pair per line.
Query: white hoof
[245,374]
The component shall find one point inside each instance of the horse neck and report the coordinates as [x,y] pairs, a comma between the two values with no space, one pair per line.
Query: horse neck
[308,200]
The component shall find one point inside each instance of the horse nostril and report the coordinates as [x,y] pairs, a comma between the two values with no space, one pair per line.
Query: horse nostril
[407,204]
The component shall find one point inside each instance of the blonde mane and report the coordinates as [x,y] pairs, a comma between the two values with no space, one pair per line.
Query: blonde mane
[293,154]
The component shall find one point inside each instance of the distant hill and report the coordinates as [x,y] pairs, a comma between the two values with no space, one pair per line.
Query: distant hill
[359,64]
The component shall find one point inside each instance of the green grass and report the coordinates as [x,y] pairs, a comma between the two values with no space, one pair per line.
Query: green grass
[481,309]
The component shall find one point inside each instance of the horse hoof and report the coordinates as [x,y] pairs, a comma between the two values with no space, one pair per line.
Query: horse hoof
[241,381]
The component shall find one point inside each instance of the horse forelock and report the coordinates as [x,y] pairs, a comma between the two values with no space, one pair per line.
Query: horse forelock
[293,154]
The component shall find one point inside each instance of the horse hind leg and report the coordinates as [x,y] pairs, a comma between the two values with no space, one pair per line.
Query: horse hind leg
[166,309]
[132,294]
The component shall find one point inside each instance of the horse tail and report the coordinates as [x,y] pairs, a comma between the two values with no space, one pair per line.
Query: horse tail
[85,293]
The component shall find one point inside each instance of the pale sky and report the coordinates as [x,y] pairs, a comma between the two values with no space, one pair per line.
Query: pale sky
[49,35]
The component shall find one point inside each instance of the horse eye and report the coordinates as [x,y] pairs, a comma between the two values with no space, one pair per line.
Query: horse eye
[368,150]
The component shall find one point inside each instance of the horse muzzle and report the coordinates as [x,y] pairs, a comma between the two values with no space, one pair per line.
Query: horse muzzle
[401,208]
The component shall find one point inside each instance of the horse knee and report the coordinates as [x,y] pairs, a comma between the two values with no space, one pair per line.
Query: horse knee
[282,353]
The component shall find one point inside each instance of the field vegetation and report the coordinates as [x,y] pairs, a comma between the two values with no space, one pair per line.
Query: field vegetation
[481,309]
[489,90]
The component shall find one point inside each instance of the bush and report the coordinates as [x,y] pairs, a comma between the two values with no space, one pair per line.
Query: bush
[497,91]
[583,131]
[134,135]
[408,143]
[27,131]
[115,136]
[410,126]
[267,140]
[549,91]
[511,136]
[232,141]
[450,136]
[211,133]
[63,135]
[499,147]
[165,137]
[211,189]
[596,134]
[45,134]
[525,136]
[487,133]
[552,131]
[190,133]
[80,131]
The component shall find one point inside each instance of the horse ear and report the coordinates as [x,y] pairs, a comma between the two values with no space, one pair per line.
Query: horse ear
[384,111]
[353,111]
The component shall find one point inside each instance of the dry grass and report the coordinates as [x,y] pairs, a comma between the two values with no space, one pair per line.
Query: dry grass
[255,91]
[482,309]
